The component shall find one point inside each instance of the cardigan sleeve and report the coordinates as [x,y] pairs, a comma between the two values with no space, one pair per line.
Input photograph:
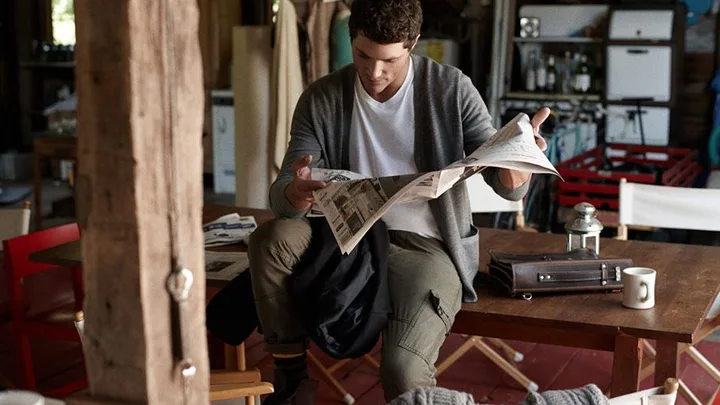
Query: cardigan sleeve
[477,128]
[303,141]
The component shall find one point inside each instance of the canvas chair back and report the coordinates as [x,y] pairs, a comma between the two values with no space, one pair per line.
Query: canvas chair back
[14,222]
[484,199]
[668,207]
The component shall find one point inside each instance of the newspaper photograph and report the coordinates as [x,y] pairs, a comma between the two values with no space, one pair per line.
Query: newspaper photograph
[352,203]
[228,230]
[225,265]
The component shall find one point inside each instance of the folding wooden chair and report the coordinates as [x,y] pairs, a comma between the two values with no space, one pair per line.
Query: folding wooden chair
[674,208]
[54,323]
[224,384]
[483,199]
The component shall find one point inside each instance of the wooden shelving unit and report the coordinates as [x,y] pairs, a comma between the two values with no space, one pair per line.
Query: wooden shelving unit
[519,95]
[558,40]
[47,65]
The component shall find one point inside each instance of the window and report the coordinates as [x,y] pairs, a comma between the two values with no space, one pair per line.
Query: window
[63,22]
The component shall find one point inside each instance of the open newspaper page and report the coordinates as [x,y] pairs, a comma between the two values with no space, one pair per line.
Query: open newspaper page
[352,206]
[329,176]
[228,230]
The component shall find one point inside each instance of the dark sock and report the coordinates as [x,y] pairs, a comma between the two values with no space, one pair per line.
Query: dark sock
[289,372]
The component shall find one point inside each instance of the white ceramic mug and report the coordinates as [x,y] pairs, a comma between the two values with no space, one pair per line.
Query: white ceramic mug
[639,287]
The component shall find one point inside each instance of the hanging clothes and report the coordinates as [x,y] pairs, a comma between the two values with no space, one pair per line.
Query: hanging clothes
[341,49]
[251,81]
[319,23]
[287,82]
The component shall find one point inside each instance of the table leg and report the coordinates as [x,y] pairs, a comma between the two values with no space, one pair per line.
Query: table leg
[666,361]
[627,360]
[38,190]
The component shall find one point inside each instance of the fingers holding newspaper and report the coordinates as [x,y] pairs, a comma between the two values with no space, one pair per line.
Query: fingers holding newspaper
[300,190]
[537,120]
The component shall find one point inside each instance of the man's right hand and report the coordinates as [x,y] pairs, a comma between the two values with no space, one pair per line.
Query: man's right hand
[299,190]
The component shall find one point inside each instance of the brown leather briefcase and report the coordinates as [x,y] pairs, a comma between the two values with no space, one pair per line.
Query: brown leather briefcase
[580,270]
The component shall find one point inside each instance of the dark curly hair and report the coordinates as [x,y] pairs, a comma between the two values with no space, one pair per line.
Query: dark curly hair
[386,21]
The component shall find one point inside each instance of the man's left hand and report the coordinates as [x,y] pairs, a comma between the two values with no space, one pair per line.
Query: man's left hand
[513,179]
[536,121]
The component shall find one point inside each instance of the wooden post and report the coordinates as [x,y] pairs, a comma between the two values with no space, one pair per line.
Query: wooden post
[139,196]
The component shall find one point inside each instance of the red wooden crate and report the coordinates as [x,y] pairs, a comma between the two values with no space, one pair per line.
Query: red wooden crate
[586,180]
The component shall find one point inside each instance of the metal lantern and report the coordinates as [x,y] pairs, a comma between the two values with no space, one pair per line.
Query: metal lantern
[583,228]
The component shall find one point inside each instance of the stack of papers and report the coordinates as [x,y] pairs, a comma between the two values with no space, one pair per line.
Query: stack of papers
[228,230]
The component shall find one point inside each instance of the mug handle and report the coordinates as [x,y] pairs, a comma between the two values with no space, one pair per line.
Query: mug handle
[647,292]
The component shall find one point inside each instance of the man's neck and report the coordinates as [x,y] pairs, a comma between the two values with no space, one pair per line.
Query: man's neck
[393,87]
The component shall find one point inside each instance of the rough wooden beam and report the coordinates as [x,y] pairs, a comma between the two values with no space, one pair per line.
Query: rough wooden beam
[139,194]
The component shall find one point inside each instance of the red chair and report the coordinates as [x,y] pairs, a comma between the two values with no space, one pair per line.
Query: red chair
[55,323]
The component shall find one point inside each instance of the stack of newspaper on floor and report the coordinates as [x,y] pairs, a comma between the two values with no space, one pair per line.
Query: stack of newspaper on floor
[352,203]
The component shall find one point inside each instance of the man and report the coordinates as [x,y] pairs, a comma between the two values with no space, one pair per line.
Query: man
[388,113]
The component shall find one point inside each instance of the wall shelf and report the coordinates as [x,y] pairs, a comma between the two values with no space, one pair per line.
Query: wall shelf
[559,40]
[47,65]
[519,95]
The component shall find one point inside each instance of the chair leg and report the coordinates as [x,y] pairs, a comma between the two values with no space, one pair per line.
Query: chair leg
[715,398]
[503,364]
[455,356]
[370,360]
[24,352]
[240,355]
[649,350]
[704,363]
[78,288]
[510,353]
[477,342]
[325,374]
[68,389]
[688,395]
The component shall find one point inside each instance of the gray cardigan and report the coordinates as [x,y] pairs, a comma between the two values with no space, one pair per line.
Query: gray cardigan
[451,120]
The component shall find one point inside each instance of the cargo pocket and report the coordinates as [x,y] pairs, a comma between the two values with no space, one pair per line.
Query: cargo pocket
[428,329]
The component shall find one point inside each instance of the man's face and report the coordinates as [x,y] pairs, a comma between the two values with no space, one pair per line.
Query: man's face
[382,67]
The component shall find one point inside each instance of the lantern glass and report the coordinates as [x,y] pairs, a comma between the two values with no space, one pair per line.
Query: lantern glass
[582,241]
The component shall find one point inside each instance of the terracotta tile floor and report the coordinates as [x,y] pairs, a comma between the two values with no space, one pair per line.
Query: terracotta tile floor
[552,367]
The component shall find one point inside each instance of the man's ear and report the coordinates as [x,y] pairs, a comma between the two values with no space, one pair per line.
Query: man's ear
[414,43]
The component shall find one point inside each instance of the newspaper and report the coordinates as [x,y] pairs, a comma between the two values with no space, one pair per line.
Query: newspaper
[228,230]
[352,203]
[224,265]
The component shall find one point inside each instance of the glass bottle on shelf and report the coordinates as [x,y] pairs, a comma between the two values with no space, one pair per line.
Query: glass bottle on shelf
[583,78]
[567,85]
[541,75]
[551,75]
[530,79]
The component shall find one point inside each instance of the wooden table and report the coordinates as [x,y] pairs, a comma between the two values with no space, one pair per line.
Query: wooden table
[70,254]
[49,146]
[687,283]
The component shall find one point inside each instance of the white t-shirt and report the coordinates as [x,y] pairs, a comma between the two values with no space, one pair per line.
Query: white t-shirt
[382,143]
